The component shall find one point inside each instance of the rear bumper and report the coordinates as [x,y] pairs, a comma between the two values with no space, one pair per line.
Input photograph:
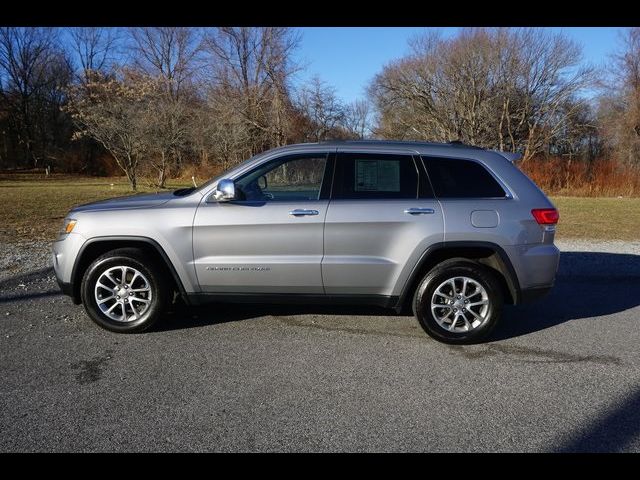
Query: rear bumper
[535,265]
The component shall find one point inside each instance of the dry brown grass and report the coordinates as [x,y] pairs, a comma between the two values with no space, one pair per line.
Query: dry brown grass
[33,206]
[601,178]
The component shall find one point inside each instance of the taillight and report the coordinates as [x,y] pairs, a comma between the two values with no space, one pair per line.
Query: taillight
[546,216]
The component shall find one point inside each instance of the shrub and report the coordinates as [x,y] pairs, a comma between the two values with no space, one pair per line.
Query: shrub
[599,178]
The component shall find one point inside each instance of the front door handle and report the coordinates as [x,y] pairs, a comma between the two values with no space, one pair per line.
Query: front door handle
[419,211]
[299,212]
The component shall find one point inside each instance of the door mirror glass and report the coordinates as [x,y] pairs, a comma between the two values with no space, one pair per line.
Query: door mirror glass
[225,191]
[262,182]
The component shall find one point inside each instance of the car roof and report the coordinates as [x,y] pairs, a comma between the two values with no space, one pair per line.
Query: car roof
[453,149]
[416,146]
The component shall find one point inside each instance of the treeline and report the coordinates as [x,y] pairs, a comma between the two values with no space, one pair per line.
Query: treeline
[158,100]
[163,101]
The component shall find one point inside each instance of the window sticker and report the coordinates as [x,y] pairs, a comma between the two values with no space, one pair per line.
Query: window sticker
[377,176]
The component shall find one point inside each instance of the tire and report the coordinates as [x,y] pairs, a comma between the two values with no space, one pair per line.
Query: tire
[441,322]
[139,306]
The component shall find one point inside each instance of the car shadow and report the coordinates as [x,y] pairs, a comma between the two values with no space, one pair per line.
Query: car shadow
[588,284]
[30,295]
[15,279]
[615,430]
[182,316]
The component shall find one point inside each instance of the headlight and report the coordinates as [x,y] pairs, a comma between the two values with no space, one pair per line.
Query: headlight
[67,227]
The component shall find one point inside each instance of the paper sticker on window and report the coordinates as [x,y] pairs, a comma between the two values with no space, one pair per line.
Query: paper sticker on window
[377,176]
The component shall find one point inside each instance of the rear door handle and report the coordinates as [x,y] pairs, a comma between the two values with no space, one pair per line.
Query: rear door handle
[299,212]
[419,211]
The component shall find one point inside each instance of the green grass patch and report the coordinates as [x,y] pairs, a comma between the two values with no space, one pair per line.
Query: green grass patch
[598,218]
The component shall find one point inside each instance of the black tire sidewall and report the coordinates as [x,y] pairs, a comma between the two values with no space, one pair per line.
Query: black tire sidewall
[158,290]
[424,293]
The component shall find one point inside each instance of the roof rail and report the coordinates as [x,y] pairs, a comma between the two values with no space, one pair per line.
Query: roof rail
[455,143]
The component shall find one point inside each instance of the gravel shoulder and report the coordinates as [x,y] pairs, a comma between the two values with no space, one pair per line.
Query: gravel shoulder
[610,246]
[20,258]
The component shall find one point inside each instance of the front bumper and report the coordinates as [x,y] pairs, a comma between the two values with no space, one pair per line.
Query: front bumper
[66,288]
[63,255]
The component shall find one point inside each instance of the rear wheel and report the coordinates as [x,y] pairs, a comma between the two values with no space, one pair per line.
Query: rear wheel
[123,291]
[459,301]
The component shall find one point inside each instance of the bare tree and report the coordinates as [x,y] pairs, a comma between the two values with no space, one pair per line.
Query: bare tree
[33,71]
[114,112]
[357,119]
[170,53]
[578,135]
[167,121]
[226,133]
[499,88]
[253,66]
[95,48]
[319,102]
[619,105]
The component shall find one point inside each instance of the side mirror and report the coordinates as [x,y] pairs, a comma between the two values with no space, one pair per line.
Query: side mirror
[225,191]
[262,182]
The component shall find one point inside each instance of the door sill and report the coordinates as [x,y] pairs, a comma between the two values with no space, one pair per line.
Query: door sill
[384,301]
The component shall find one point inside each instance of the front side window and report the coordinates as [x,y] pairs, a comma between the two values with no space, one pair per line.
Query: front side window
[457,178]
[372,176]
[297,178]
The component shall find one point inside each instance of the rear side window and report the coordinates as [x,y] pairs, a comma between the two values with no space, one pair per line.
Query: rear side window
[457,178]
[372,176]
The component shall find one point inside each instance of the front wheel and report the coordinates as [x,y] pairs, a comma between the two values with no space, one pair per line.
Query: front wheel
[458,302]
[123,292]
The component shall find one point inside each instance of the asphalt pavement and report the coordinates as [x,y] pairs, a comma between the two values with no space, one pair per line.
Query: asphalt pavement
[559,375]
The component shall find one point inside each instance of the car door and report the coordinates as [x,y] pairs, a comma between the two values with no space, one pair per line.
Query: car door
[269,239]
[381,218]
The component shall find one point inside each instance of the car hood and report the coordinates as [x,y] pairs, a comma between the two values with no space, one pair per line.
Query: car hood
[132,201]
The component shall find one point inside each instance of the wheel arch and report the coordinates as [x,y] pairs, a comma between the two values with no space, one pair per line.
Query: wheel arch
[95,247]
[488,254]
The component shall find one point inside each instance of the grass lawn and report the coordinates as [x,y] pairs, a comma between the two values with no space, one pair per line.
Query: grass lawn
[33,207]
[598,218]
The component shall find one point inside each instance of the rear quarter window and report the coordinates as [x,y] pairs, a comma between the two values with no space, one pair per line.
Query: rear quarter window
[458,178]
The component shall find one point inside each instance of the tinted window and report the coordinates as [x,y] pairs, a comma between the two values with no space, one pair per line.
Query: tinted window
[456,178]
[375,176]
[285,179]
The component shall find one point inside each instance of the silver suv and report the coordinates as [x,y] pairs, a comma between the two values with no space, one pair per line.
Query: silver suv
[451,231]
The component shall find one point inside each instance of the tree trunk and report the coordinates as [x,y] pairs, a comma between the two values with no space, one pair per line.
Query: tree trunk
[130,170]
[162,174]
